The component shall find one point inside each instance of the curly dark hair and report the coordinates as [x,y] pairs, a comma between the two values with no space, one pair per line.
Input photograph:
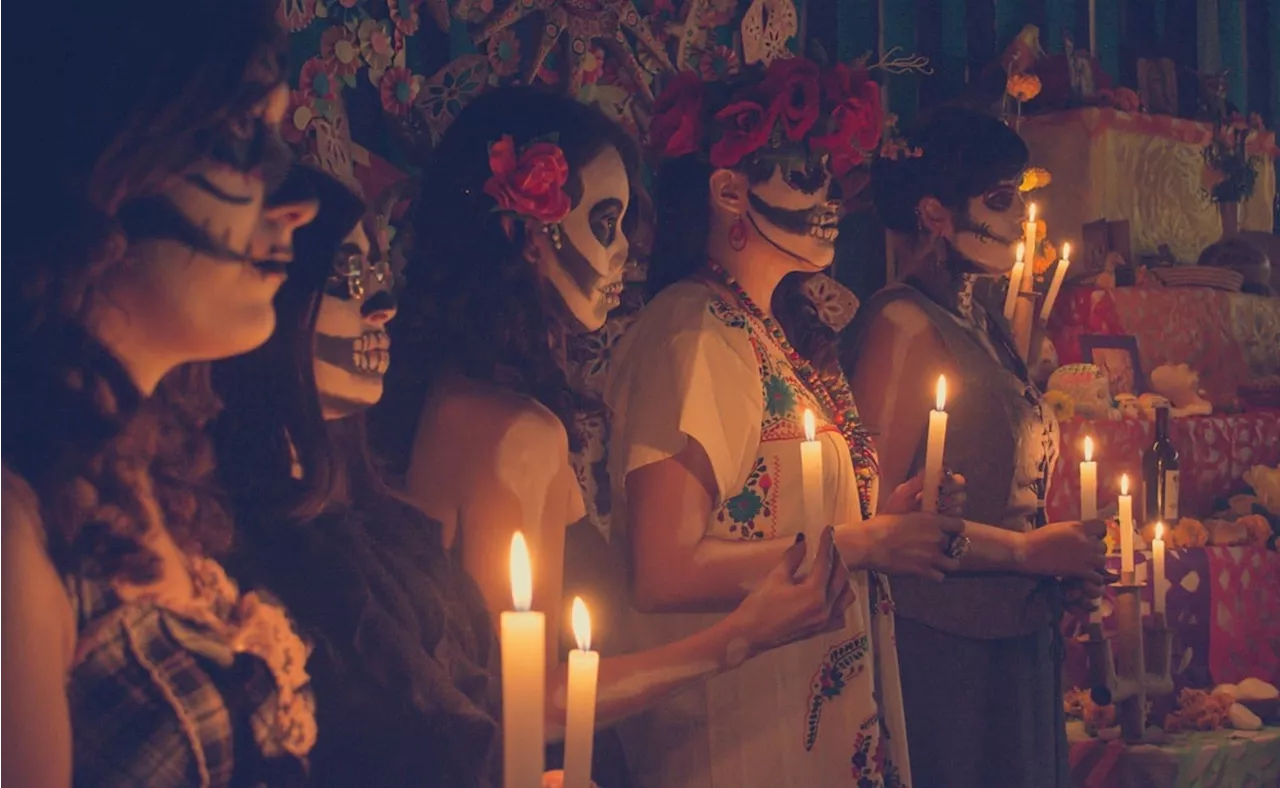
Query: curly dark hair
[964,152]
[472,304]
[153,81]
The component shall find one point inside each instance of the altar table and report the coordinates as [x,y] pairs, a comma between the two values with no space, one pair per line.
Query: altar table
[1217,759]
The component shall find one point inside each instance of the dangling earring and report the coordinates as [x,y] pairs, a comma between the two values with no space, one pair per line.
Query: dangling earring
[553,232]
[738,234]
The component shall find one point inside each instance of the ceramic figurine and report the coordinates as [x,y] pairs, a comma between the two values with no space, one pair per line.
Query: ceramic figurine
[1181,385]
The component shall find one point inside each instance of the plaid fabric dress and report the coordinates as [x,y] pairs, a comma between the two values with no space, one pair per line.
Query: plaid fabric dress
[160,698]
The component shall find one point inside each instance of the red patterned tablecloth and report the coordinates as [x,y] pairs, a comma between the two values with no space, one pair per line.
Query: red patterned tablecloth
[1227,337]
[1214,452]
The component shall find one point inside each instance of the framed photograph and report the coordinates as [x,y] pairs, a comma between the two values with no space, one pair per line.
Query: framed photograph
[1158,86]
[1117,357]
[1096,239]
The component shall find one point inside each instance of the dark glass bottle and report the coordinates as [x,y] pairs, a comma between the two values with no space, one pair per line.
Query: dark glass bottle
[1160,475]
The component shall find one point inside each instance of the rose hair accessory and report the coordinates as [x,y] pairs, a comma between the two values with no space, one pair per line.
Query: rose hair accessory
[529,184]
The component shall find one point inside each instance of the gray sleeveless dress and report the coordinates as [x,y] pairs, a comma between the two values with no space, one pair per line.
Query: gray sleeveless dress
[980,655]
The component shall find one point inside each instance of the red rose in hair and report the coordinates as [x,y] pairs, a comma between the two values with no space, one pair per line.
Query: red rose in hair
[746,124]
[856,125]
[794,81]
[531,185]
[676,128]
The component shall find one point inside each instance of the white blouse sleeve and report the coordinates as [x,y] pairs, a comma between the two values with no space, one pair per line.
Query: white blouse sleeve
[683,373]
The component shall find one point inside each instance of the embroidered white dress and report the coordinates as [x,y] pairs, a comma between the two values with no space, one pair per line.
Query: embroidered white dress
[823,712]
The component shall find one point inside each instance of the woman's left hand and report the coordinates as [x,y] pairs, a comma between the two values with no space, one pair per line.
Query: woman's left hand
[909,496]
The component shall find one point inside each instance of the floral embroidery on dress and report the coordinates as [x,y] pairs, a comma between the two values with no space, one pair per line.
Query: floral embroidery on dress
[757,499]
[730,316]
[779,396]
[843,662]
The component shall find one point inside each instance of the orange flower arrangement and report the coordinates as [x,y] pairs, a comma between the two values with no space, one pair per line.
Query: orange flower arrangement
[1023,87]
[1035,178]
[1199,711]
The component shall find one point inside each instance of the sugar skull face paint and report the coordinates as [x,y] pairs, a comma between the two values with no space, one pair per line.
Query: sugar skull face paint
[794,212]
[585,273]
[988,227]
[352,348]
[197,271]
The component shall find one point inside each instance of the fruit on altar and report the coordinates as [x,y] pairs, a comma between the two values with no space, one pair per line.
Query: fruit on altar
[1255,689]
[1242,719]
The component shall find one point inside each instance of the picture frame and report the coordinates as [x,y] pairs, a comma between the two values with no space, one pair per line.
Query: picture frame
[1096,243]
[1117,356]
[1158,85]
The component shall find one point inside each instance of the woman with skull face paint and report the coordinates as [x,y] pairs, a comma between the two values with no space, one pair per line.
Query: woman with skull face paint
[708,392]
[980,668]
[150,239]
[490,295]
[402,640]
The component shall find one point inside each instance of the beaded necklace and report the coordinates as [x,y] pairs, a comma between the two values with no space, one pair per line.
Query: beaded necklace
[836,399]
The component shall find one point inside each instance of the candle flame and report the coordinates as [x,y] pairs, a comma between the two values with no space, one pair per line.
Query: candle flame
[1022,251]
[1066,252]
[581,624]
[1159,531]
[1031,215]
[1124,484]
[1088,448]
[941,394]
[521,574]
[810,428]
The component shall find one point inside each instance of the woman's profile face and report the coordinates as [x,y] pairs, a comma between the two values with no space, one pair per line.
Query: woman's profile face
[586,273]
[794,212]
[203,274]
[987,228]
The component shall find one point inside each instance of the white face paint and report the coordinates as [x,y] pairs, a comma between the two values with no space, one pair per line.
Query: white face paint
[989,227]
[793,212]
[352,349]
[586,272]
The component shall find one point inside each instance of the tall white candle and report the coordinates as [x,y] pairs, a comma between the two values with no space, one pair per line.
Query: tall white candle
[524,677]
[1125,503]
[1088,483]
[1059,274]
[1029,270]
[811,484]
[1093,28]
[935,447]
[1015,283]
[1157,557]
[580,722]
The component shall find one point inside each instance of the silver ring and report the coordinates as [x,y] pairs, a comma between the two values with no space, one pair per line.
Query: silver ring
[957,546]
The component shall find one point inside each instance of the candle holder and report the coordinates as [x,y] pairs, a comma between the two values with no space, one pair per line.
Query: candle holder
[1140,665]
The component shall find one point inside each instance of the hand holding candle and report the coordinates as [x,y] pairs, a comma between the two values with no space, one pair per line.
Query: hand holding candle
[1088,483]
[524,677]
[1125,503]
[934,449]
[1157,558]
[580,723]
[811,484]
[1015,282]
[1059,274]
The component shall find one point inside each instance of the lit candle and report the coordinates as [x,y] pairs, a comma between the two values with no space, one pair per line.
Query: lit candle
[1157,557]
[811,483]
[1059,274]
[524,677]
[1015,282]
[1088,483]
[1029,270]
[934,447]
[580,722]
[1126,530]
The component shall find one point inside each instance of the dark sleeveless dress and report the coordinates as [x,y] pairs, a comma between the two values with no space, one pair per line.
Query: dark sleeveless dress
[406,694]
[979,654]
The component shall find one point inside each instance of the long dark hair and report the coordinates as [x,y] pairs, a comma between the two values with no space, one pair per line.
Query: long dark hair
[472,304]
[152,81]
[272,414]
